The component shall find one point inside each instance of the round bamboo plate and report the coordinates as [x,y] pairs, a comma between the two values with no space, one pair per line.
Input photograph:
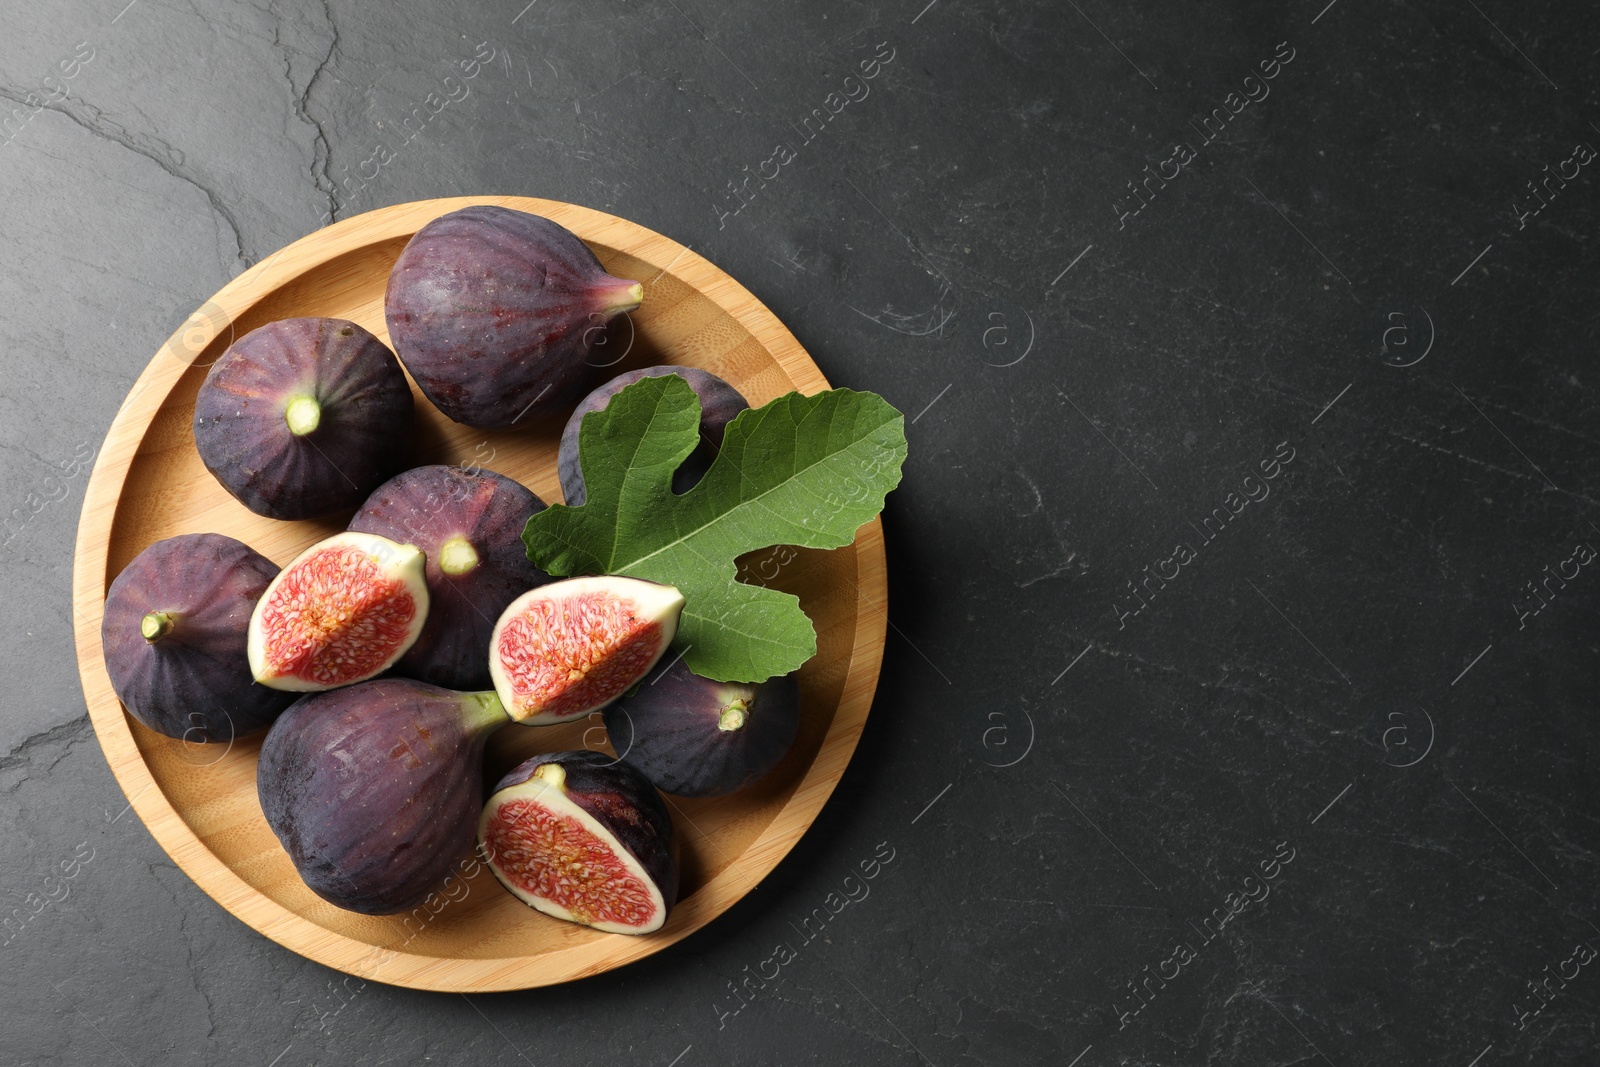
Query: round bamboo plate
[199,801]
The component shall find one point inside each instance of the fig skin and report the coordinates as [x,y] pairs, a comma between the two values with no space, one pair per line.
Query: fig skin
[351,434]
[192,681]
[719,403]
[694,737]
[495,312]
[374,790]
[617,797]
[435,506]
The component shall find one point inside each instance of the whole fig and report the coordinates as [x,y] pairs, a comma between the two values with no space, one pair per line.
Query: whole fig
[375,790]
[469,524]
[303,417]
[699,738]
[494,312]
[174,636]
[719,403]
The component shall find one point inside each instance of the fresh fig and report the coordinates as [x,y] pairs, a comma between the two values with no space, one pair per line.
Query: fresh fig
[583,838]
[699,738]
[568,648]
[494,312]
[344,610]
[374,790]
[301,417]
[174,636]
[719,403]
[469,524]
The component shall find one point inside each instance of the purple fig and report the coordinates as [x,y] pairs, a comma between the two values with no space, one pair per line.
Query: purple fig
[375,789]
[719,403]
[494,312]
[699,738]
[583,838]
[174,637]
[469,523]
[303,417]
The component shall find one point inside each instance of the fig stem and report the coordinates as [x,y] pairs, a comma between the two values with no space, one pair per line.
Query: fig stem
[734,716]
[484,712]
[553,773]
[156,625]
[624,299]
[457,556]
[303,414]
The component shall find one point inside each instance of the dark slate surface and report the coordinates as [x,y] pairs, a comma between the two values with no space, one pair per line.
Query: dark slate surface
[1339,709]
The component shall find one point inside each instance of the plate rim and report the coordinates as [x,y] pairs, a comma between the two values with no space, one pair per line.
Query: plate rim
[259,911]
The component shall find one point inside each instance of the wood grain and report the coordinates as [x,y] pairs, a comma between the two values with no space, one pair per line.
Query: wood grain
[199,801]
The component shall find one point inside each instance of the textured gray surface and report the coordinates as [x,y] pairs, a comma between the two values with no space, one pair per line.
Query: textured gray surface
[1086,382]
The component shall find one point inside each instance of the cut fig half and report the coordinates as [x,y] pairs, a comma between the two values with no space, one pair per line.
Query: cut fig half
[565,649]
[342,612]
[583,838]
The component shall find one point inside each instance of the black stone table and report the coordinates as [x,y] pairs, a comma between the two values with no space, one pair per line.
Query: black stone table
[1240,699]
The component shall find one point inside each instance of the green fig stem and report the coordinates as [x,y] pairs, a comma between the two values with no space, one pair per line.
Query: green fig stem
[483,712]
[303,414]
[457,556]
[734,716]
[621,299]
[156,625]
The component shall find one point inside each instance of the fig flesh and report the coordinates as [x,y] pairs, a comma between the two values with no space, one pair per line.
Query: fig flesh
[375,790]
[568,648]
[699,738]
[495,312]
[719,403]
[174,637]
[344,610]
[469,525]
[301,417]
[585,839]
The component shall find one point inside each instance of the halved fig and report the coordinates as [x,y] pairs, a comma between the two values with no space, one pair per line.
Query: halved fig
[699,738]
[494,312]
[569,648]
[301,417]
[375,790]
[719,403]
[343,611]
[469,524]
[585,839]
[174,636]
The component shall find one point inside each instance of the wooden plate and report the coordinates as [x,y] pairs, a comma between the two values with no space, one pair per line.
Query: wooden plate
[199,801]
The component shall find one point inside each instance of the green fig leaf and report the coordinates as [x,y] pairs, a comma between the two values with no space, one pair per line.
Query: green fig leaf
[802,470]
